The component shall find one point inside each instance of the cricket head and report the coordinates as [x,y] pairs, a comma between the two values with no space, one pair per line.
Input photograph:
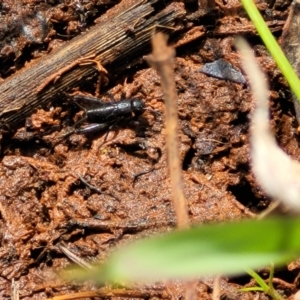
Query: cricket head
[138,106]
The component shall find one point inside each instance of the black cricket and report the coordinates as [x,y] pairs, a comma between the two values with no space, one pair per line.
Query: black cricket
[101,114]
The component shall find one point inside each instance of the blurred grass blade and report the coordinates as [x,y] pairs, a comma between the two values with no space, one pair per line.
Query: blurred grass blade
[275,171]
[207,250]
[273,47]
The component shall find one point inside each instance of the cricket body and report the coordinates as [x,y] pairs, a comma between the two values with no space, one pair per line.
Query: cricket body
[104,113]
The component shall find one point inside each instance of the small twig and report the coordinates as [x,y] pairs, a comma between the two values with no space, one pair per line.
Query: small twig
[217,289]
[81,61]
[14,290]
[135,176]
[154,27]
[108,293]
[162,61]
[94,188]
[109,226]
[73,257]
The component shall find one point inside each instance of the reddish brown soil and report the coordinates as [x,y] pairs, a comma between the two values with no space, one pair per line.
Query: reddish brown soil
[44,203]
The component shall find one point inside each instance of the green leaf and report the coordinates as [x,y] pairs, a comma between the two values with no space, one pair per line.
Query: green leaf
[205,250]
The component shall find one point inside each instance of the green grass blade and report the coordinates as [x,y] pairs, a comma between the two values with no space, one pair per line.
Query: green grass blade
[252,289]
[258,279]
[268,289]
[206,250]
[273,47]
